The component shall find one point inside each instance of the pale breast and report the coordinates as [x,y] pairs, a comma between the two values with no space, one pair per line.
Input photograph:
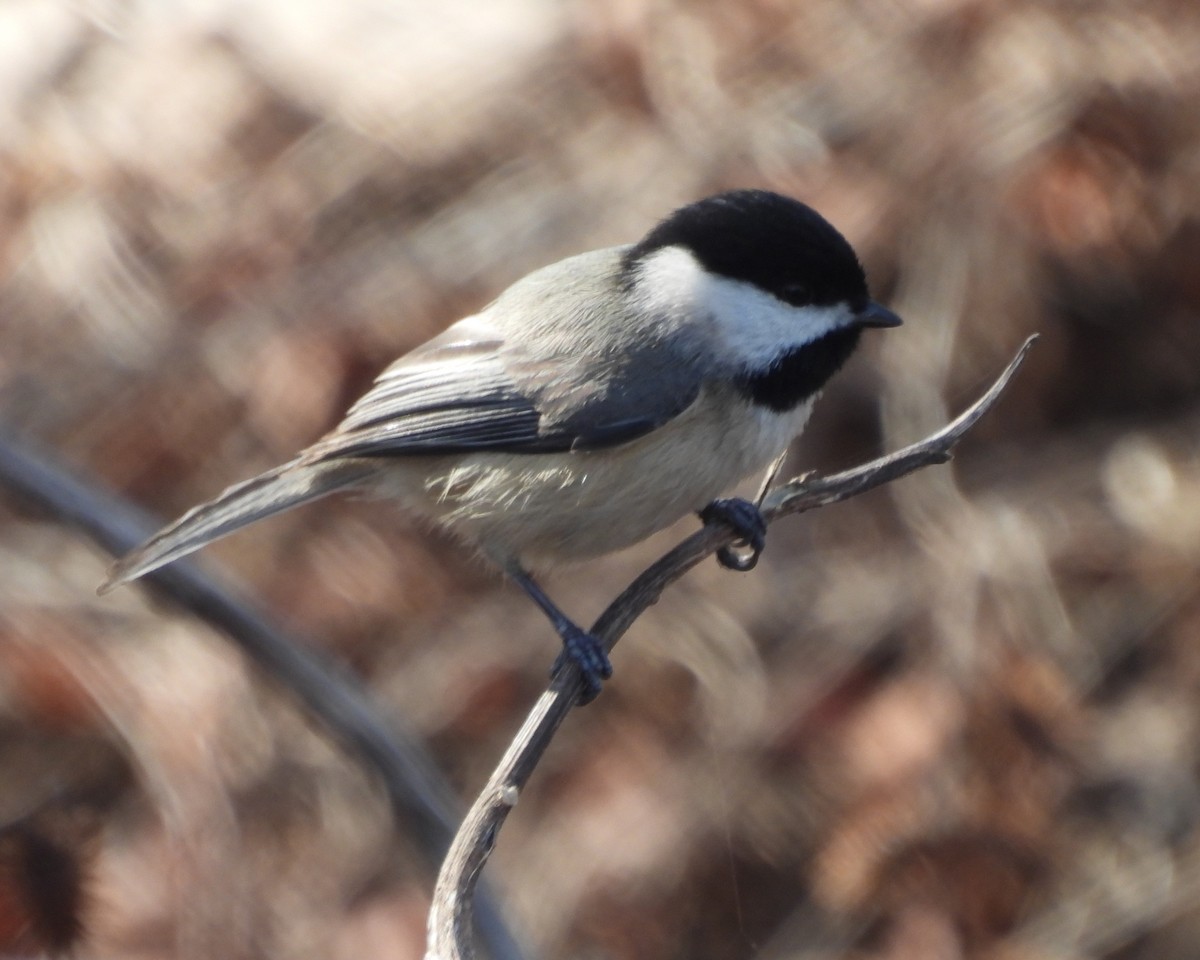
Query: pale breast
[546,509]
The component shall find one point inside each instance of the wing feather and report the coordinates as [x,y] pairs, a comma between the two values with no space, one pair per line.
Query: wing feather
[469,390]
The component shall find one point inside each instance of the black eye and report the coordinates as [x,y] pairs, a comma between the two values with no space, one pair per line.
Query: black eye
[795,294]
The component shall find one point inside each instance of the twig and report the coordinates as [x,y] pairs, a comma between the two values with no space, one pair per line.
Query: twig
[450,913]
[420,798]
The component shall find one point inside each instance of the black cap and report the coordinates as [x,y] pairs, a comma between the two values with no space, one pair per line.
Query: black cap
[774,242]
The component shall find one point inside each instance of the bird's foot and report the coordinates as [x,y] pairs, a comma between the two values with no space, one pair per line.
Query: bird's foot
[579,647]
[587,652]
[746,520]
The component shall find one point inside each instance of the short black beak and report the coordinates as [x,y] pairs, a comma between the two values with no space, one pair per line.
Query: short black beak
[877,315]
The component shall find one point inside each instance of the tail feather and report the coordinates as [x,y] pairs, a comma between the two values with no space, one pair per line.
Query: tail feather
[269,493]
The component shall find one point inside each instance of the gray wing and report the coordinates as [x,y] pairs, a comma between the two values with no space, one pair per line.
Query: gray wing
[469,390]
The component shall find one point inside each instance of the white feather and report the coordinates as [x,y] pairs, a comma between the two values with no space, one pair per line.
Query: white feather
[753,327]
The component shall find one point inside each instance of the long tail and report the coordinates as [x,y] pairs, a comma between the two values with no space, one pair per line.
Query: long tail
[272,492]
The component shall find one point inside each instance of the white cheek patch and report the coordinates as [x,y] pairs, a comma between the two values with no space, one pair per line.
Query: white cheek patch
[753,327]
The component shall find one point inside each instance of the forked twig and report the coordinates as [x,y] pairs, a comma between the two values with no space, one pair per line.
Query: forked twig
[450,915]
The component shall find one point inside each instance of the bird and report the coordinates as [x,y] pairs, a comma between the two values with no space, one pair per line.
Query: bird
[592,403]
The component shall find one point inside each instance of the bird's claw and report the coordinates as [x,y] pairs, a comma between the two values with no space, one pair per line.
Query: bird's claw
[588,654]
[746,520]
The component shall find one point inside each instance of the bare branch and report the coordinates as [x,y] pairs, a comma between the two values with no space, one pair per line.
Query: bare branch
[450,913]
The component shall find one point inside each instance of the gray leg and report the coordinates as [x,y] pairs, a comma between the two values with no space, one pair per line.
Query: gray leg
[579,646]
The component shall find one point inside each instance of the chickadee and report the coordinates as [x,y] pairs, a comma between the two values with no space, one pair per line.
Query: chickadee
[594,402]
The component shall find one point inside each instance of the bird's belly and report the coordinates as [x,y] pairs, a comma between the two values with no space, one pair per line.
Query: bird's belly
[543,509]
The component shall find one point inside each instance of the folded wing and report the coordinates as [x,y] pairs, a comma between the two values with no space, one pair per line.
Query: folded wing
[469,390]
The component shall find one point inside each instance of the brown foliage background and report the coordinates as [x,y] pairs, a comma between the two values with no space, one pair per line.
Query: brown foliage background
[956,718]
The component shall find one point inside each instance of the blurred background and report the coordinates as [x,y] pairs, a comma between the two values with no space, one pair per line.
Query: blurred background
[956,717]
